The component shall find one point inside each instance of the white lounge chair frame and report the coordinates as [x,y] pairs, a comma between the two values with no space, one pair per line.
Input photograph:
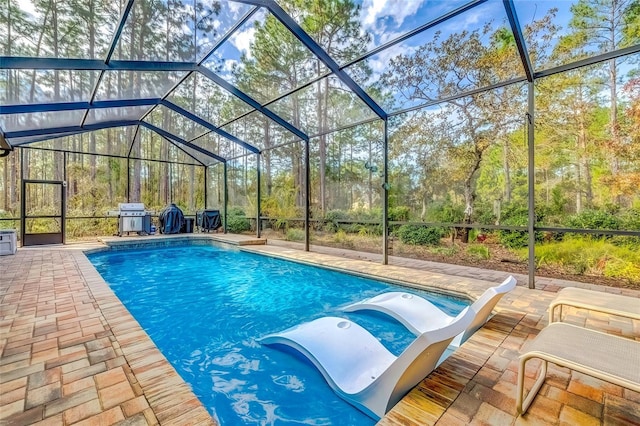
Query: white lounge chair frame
[604,356]
[598,301]
[359,368]
[419,315]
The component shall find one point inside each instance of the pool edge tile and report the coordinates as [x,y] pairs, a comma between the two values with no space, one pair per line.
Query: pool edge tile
[161,385]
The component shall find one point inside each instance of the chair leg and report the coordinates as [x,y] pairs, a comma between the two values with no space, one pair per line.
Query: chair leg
[522,402]
[552,313]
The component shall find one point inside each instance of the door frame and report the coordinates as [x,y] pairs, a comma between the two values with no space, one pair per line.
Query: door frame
[49,237]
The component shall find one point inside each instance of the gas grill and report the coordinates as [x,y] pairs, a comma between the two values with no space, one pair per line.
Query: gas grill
[131,218]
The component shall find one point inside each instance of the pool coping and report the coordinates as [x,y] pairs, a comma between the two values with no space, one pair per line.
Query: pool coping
[169,396]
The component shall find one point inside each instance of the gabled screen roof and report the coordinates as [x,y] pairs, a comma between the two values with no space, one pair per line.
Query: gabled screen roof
[209,80]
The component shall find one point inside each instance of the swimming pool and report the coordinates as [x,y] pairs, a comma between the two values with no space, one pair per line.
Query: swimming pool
[204,306]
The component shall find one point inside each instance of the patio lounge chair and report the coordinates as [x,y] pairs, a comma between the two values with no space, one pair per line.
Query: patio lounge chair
[419,315]
[608,303]
[604,356]
[359,368]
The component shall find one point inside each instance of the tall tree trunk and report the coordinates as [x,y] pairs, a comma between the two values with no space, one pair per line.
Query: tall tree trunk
[109,167]
[613,123]
[296,156]
[5,172]
[584,163]
[322,142]
[351,193]
[137,47]
[507,171]
[370,185]
[470,193]
[5,160]
[37,53]
[58,166]
[266,156]
[578,188]
[338,196]
[14,173]
[92,54]
[192,169]
[165,171]
[56,49]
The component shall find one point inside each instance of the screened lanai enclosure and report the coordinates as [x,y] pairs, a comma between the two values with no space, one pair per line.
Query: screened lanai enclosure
[502,134]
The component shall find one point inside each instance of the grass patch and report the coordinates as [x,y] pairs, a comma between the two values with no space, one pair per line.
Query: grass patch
[294,234]
[479,251]
[444,251]
[342,238]
[586,256]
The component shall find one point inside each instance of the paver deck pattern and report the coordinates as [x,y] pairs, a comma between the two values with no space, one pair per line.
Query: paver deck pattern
[72,354]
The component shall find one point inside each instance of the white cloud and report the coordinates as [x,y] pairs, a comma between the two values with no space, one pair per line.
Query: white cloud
[236,8]
[397,10]
[370,11]
[475,18]
[379,63]
[242,40]
[27,6]
[389,35]
[229,64]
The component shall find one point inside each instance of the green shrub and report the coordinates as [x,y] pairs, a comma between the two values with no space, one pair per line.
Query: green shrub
[237,224]
[350,228]
[236,211]
[513,239]
[559,201]
[594,219]
[596,256]
[366,214]
[517,216]
[630,220]
[419,235]
[332,219]
[479,251]
[446,212]
[236,220]
[484,216]
[364,230]
[332,215]
[399,213]
[294,234]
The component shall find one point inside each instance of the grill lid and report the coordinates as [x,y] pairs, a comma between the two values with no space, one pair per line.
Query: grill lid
[131,207]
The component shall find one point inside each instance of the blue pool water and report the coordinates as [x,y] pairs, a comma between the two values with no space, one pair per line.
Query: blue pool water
[205,306]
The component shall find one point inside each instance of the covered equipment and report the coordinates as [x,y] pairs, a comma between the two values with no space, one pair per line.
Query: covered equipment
[171,220]
[208,220]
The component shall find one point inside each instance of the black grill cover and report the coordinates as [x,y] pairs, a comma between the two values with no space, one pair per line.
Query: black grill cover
[171,219]
[208,220]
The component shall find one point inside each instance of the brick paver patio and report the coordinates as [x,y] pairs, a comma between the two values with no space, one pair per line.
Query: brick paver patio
[72,354]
